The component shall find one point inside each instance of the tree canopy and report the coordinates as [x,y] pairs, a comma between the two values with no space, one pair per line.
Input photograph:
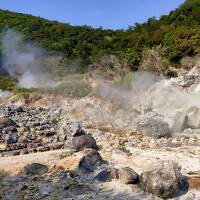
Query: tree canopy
[178,33]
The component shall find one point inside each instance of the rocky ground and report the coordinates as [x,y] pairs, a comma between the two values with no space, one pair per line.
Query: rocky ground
[95,148]
[57,144]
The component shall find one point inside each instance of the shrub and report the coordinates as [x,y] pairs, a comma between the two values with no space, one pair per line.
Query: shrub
[73,86]
[153,61]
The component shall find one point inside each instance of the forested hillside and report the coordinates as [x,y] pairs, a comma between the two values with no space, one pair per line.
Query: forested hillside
[169,38]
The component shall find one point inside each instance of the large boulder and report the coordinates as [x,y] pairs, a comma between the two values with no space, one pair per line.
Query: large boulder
[189,118]
[128,175]
[82,142]
[153,125]
[35,169]
[193,117]
[180,122]
[162,180]
[90,162]
[46,189]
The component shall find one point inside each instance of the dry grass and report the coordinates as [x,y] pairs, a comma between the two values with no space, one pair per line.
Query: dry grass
[194,183]
[3,173]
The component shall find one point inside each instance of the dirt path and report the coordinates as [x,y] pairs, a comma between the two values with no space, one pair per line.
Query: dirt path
[13,164]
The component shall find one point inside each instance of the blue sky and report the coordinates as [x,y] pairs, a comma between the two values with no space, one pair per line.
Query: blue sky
[115,14]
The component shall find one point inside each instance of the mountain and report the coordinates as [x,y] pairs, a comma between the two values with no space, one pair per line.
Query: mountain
[172,37]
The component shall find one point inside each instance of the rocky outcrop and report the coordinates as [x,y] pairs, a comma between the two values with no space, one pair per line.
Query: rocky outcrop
[185,119]
[29,129]
[193,118]
[191,78]
[153,126]
[162,180]
[180,122]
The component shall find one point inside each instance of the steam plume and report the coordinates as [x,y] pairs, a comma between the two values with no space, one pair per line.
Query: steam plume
[25,61]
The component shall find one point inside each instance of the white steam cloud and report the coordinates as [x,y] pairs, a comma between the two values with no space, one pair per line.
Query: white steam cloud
[150,93]
[25,61]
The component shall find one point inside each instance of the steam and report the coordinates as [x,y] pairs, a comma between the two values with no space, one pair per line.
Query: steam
[25,61]
[5,94]
[140,83]
[151,93]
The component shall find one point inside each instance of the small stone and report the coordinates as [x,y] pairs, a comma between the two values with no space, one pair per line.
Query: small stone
[90,162]
[46,189]
[107,175]
[82,142]
[128,175]
[11,138]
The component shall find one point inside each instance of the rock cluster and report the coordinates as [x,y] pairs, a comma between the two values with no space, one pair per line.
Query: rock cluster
[164,180]
[28,129]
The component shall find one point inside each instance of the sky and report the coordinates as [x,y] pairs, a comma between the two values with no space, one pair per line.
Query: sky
[112,14]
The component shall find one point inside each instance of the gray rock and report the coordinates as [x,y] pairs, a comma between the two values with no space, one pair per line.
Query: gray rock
[193,117]
[5,121]
[187,119]
[46,189]
[24,139]
[11,138]
[162,180]
[187,81]
[14,195]
[79,132]
[82,142]
[90,162]
[180,122]
[43,148]
[107,175]
[67,130]
[153,126]
[35,169]
[18,179]
[128,175]
[12,153]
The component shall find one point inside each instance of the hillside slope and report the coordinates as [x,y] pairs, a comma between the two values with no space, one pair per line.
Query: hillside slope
[178,35]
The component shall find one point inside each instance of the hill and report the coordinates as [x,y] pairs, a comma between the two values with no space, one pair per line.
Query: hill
[167,40]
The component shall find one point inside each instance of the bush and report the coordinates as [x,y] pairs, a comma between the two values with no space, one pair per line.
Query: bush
[10,84]
[153,61]
[7,83]
[73,86]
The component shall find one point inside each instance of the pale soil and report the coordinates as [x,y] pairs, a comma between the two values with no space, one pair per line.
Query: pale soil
[187,157]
